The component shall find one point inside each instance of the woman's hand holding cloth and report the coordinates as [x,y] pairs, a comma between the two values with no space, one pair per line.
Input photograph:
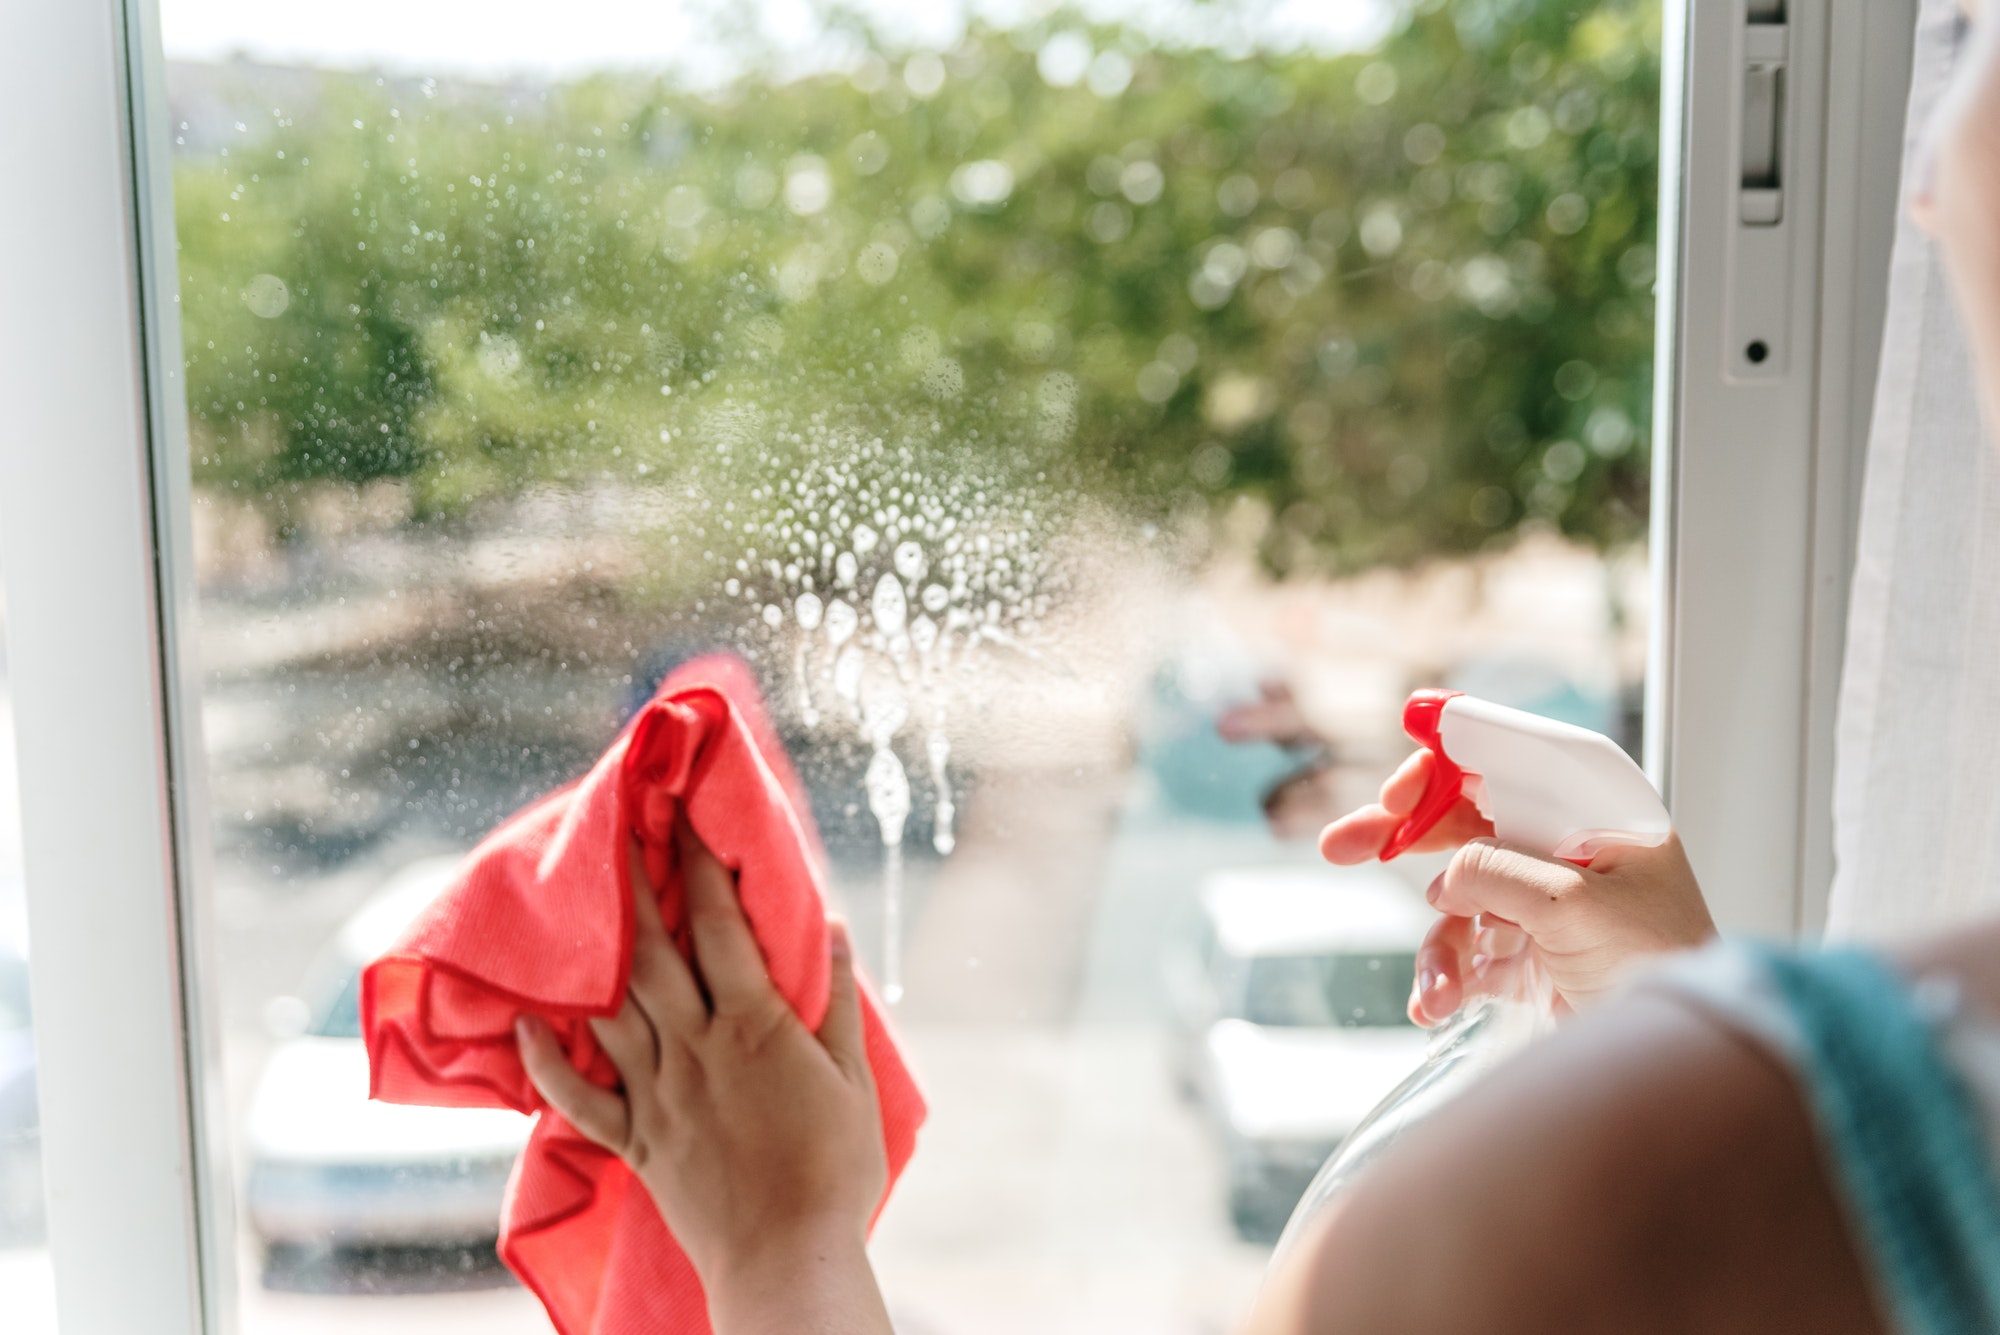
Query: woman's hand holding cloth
[543,922]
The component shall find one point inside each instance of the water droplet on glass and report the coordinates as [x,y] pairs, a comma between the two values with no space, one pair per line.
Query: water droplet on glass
[937,748]
[808,711]
[935,597]
[910,561]
[865,539]
[888,795]
[889,605]
[847,674]
[889,801]
[267,296]
[809,610]
[841,619]
[883,710]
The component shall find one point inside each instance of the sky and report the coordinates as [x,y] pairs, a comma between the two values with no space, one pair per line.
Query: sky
[559,38]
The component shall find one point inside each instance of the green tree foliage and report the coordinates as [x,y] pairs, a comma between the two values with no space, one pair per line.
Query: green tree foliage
[1403,297]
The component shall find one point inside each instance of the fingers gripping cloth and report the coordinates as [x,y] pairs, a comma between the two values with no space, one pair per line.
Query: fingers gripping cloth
[540,920]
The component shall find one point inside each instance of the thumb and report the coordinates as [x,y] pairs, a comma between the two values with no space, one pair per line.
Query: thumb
[841,1032]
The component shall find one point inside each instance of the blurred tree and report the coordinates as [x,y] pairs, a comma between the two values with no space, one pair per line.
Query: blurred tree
[1403,298]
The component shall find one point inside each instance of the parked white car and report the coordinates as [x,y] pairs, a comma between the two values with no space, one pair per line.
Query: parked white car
[1291,1005]
[329,1168]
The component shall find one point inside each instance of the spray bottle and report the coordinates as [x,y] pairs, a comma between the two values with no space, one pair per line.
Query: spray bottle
[1551,787]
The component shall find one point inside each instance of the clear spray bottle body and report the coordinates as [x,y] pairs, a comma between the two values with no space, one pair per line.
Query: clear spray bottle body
[1551,787]
[1479,1036]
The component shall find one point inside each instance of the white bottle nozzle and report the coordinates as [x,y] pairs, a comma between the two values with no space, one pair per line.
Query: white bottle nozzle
[1554,788]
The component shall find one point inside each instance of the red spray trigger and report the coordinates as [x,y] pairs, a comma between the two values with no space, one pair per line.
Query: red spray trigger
[1422,717]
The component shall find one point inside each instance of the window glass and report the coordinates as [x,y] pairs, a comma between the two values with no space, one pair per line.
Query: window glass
[342,1018]
[1330,991]
[1089,429]
[27,1286]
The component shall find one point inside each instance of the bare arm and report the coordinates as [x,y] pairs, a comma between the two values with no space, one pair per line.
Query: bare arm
[1644,1170]
[801,1285]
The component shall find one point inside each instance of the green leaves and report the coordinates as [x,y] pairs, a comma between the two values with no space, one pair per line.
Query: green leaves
[1401,297]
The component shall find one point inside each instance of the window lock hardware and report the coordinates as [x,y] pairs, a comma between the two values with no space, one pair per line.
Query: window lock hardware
[1770,63]
[1766,56]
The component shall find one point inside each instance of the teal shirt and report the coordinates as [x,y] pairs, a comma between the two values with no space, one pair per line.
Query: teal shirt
[1904,1136]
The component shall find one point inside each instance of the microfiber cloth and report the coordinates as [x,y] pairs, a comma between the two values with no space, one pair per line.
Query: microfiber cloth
[539,919]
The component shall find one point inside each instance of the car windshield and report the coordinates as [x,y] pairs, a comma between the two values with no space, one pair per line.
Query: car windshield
[342,1019]
[1329,991]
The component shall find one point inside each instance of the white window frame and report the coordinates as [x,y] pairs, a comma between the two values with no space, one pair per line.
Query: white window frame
[94,543]
[1757,483]
[1755,497]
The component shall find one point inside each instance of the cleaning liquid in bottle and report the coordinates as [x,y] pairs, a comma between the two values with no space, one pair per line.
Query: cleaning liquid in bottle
[1551,787]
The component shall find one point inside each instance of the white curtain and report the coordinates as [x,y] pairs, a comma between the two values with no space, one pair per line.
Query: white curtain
[1917,774]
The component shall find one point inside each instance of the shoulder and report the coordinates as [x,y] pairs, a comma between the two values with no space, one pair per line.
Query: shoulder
[1645,1169]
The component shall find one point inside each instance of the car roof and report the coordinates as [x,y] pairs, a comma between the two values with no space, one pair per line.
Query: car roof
[1304,910]
[377,924]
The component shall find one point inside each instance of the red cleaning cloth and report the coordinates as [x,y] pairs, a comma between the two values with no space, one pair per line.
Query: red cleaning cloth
[539,919]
